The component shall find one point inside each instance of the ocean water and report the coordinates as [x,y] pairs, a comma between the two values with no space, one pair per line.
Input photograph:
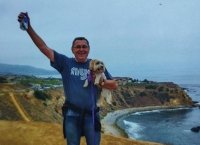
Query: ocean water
[166,126]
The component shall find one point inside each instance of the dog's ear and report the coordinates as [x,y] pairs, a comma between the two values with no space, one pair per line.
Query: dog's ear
[91,65]
[104,67]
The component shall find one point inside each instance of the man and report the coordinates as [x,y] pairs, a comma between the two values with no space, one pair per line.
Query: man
[79,116]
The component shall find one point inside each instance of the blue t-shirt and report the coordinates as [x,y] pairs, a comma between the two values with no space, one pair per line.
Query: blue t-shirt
[74,75]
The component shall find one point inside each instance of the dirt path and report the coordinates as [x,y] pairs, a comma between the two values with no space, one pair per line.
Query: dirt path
[26,118]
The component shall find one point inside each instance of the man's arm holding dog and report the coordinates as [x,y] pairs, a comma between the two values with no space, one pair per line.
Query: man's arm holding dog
[108,84]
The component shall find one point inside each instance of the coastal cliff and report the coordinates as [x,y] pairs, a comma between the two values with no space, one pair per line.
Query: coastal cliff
[147,94]
[45,104]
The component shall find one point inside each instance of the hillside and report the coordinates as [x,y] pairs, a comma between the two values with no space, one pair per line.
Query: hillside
[24,70]
[19,102]
[49,109]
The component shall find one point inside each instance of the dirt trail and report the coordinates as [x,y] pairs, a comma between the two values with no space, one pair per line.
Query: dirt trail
[23,114]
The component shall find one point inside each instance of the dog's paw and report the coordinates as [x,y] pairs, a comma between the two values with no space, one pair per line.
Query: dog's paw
[86,83]
[96,82]
[108,100]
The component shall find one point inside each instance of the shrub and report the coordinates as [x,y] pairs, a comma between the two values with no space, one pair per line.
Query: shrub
[3,80]
[120,99]
[151,87]
[155,93]
[42,95]
[129,84]
[164,97]
[142,94]
[160,89]
[114,103]
[45,104]
[167,89]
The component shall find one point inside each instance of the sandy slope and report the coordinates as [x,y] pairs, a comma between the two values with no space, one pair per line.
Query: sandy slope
[40,133]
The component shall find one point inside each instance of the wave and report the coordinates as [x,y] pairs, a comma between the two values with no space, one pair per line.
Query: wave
[133,129]
[145,112]
[158,111]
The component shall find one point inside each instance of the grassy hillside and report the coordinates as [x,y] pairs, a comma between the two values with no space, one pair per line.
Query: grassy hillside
[40,133]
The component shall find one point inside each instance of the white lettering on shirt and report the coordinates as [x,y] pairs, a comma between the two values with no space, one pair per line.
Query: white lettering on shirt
[80,72]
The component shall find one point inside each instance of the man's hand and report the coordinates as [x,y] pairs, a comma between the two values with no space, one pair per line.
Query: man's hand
[21,16]
[36,38]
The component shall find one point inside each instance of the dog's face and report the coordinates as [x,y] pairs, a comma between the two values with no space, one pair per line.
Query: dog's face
[97,66]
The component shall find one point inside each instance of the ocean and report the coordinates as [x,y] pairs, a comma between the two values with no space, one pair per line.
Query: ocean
[166,126]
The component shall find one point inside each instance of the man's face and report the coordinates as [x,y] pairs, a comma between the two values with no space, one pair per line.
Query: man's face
[81,50]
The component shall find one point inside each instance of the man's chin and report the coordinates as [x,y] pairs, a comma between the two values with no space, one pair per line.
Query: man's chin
[81,59]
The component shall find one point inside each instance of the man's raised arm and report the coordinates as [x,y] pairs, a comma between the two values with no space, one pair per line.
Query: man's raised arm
[37,40]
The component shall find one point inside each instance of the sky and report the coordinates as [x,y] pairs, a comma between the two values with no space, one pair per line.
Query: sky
[135,38]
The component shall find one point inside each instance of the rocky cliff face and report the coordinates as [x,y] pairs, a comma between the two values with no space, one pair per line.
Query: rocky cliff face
[145,94]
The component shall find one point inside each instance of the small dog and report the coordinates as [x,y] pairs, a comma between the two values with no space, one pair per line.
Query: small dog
[98,67]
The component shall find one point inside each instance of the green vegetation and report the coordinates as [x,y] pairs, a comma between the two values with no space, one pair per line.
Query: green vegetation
[41,81]
[128,84]
[161,89]
[139,84]
[131,84]
[164,97]
[167,89]
[153,87]
[142,94]
[126,94]
[3,80]
[114,103]
[155,93]
[121,100]
[42,95]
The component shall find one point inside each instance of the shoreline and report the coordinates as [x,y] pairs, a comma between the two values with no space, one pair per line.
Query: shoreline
[109,122]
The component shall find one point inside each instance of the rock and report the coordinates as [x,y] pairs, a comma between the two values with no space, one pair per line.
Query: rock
[195,129]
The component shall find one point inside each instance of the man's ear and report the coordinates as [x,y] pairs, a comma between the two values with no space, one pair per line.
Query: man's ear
[72,50]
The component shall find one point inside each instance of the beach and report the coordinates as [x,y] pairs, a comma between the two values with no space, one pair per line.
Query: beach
[109,121]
